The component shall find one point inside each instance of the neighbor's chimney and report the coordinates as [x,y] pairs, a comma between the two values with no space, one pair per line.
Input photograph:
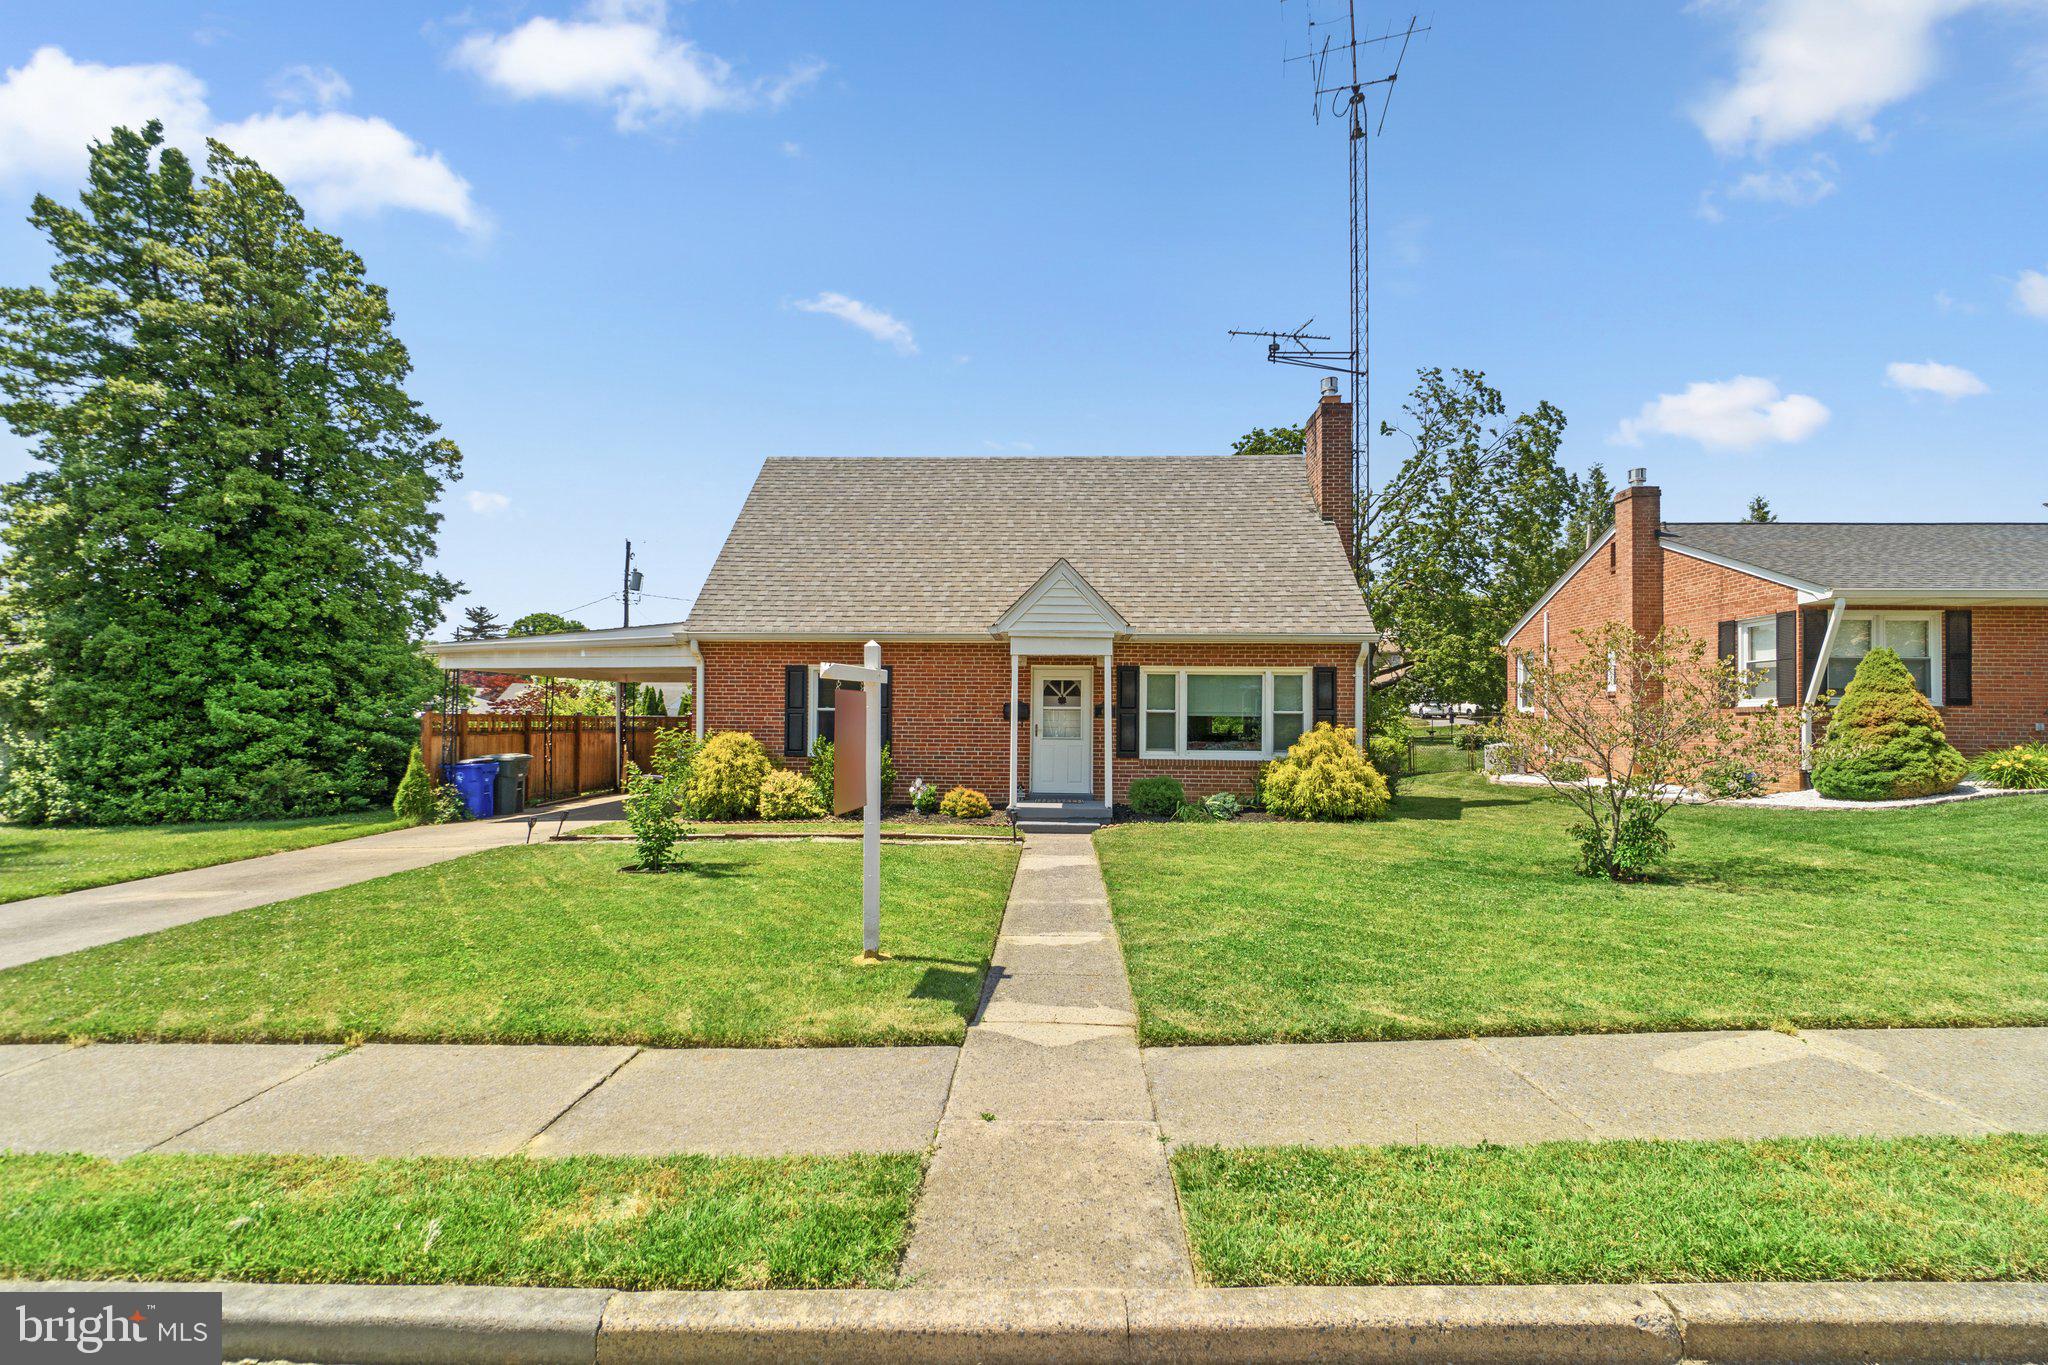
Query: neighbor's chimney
[1638,558]
[1328,437]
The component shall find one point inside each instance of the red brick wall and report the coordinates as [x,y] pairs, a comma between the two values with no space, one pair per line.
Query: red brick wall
[1327,439]
[947,706]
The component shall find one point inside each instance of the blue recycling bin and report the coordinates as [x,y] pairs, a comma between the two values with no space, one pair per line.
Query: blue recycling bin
[475,780]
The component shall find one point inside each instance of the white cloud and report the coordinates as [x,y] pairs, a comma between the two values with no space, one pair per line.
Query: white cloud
[1729,414]
[486,504]
[336,163]
[876,323]
[1931,376]
[339,164]
[1796,189]
[52,107]
[2030,293]
[621,53]
[1810,65]
[320,86]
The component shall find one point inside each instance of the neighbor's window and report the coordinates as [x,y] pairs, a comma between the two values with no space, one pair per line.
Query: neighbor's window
[1244,713]
[1756,654]
[1912,636]
[1162,710]
[1225,711]
[1525,694]
[1611,668]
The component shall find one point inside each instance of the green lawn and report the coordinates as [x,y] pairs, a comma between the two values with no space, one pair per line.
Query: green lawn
[1462,915]
[42,860]
[686,1222]
[753,944]
[1620,1212]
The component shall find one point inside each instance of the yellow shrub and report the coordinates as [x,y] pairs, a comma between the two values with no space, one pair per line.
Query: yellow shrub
[1324,777]
[726,776]
[964,803]
[787,796]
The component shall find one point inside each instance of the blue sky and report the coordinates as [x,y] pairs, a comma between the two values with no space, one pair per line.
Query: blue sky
[1796,247]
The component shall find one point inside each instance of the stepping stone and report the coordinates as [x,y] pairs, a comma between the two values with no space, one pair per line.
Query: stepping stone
[412,1099]
[761,1102]
[116,1099]
[1039,1205]
[1343,1094]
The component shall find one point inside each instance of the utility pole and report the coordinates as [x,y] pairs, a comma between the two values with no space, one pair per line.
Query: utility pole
[629,583]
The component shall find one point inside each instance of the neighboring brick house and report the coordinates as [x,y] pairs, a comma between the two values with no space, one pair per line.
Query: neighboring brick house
[1053,627]
[1798,604]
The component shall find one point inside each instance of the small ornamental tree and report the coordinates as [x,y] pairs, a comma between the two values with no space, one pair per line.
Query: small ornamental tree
[414,800]
[651,815]
[1623,758]
[1885,741]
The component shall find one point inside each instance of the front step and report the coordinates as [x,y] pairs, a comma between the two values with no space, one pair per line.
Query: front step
[1059,815]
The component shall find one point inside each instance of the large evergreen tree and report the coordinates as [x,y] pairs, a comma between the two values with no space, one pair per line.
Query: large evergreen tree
[213,580]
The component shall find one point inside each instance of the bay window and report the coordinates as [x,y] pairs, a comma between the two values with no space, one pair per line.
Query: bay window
[1223,713]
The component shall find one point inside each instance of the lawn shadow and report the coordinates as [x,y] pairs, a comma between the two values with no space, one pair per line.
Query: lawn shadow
[1444,807]
[949,983]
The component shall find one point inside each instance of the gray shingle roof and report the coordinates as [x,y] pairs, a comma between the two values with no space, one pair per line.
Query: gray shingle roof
[1959,556]
[1195,545]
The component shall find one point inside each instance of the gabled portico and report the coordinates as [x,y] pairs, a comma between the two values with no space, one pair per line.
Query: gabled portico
[1061,617]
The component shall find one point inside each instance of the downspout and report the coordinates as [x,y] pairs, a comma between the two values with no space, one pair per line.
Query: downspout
[1820,671]
[1361,679]
[697,702]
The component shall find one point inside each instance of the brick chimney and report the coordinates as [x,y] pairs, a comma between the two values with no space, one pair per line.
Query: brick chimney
[1639,560]
[1327,434]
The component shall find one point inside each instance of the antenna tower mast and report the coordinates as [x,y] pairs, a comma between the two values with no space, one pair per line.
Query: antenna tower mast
[1347,100]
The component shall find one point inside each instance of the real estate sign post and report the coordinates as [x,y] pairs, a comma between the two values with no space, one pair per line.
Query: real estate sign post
[857,757]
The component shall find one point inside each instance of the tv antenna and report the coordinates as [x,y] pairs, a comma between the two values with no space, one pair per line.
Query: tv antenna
[1346,93]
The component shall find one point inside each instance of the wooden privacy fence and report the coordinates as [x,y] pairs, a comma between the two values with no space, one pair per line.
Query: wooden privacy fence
[572,755]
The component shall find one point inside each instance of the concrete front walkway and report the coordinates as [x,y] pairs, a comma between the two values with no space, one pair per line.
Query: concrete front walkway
[1050,1170]
[46,926]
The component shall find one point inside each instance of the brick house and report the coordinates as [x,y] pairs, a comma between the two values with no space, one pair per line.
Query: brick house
[1798,604]
[1053,628]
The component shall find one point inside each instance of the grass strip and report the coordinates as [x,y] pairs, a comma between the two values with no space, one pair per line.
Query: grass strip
[1620,1212]
[686,1222]
[37,860]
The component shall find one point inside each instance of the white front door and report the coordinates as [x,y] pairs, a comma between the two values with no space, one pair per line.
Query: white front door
[1061,731]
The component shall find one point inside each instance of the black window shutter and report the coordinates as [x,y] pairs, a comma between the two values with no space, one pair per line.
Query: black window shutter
[1813,624]
[796,703]
[1128,714]
[1788,678]
[1728,656]
[1955,681]
[1326,696]
[889,708]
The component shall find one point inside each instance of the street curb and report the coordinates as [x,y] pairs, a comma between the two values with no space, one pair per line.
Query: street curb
[453,1325]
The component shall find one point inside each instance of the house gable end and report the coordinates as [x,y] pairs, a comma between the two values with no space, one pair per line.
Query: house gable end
[1061,603]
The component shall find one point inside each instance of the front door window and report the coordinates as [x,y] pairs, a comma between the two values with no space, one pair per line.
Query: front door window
[1062,754]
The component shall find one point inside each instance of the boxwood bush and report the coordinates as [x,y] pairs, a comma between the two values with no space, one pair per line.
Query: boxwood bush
[1157,796]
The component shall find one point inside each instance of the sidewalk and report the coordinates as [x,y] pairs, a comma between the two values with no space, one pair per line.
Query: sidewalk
[47,926]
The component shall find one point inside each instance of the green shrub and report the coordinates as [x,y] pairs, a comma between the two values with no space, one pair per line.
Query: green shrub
[821,771]
[1157,796]
[2022,766]
[414,800]
[652,816]
[726,776]
[1224,806]
[1566,771]
[1192,813]
[964,803]
[924,797]
[1732,782]
[1389,757]
[448,807]
[1885,741]
[1640,846]
[789,796]
[1324,777]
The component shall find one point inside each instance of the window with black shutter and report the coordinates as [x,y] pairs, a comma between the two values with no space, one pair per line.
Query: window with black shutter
[1725,649]
[1326,696]
[1127,710]
[1813,628]
[889,708]
[1955,683]
[796,699]
[1787,677]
